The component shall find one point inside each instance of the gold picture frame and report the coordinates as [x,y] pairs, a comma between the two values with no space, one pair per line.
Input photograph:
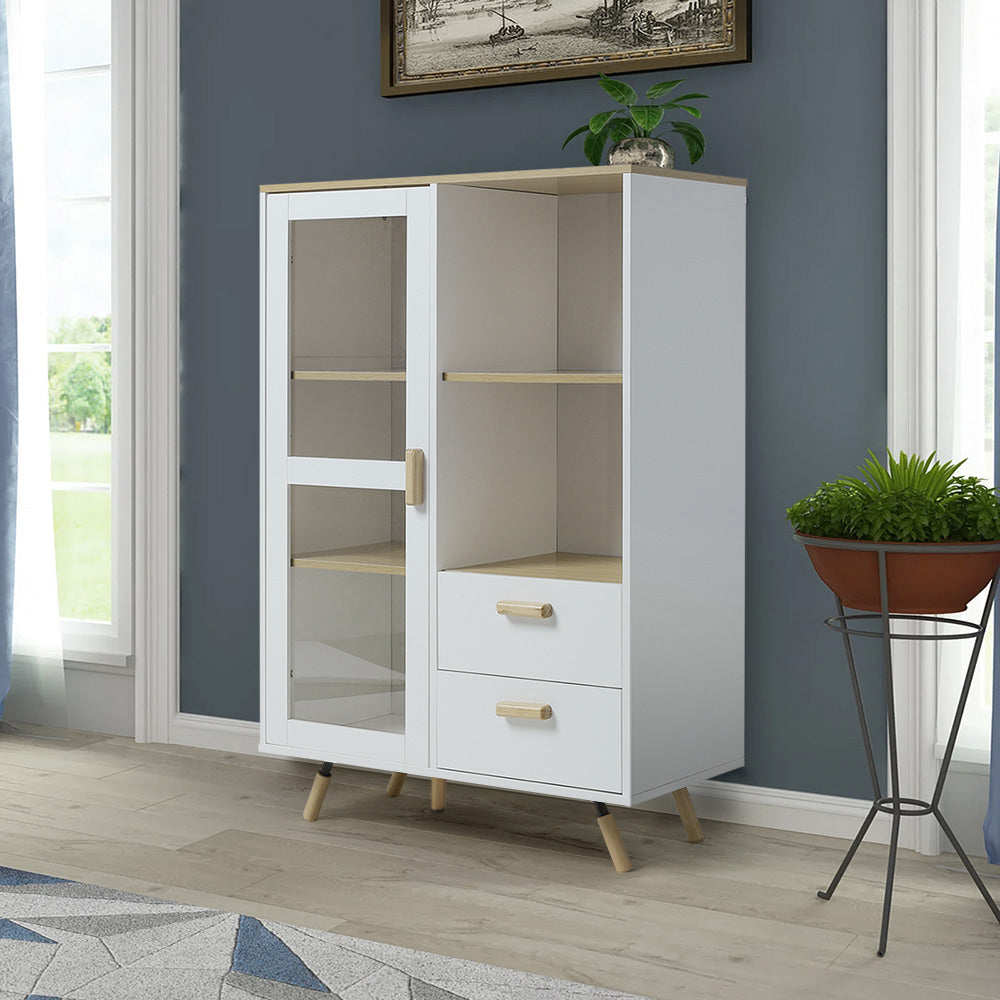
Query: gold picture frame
[435,45]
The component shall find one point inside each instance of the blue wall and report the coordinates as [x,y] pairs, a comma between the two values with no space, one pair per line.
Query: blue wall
[284,92]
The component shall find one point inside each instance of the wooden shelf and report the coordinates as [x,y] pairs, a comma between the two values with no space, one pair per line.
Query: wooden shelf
[556,566]
[540,378]
[381,557]
[369,376]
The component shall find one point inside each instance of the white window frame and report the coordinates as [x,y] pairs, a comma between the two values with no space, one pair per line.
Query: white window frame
[912,347]
[156,77]
[102,642]
[923,45]
[146,89]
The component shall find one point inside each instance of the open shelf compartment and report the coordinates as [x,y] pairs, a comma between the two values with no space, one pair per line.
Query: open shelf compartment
[530,408]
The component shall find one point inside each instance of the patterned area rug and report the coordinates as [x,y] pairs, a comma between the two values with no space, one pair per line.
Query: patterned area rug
[63,940]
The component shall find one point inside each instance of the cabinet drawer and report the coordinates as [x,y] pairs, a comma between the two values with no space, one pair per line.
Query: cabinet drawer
[578,745]
[580,641]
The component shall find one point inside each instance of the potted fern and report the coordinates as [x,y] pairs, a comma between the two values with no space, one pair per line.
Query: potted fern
[940,532]
[631,127]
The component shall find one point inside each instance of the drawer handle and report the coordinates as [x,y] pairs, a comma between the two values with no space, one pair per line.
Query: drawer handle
[523,710]
[524,609]
[414,477]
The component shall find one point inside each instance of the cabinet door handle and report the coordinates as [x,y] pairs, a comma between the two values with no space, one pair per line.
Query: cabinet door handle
[414,477]
[524,609]
[523,710]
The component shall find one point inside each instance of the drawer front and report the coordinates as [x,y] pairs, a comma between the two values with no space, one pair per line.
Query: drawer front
[580,641]
[578,745]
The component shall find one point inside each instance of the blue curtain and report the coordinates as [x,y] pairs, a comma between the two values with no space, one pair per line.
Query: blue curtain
[991,826]
[8,370]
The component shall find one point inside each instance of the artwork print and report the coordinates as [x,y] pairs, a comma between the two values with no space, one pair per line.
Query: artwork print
[432,45]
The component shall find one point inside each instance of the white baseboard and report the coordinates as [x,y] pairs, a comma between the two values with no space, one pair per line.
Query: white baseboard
[779,809]
[749,805]
[210,733]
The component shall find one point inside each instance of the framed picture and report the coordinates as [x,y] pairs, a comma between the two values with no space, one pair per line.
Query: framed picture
[430,45]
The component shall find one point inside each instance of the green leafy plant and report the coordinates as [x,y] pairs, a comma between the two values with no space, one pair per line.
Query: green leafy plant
[640,121]
[909,500]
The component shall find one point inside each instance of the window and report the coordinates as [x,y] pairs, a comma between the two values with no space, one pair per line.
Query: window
[970,85]
[78,299]
[77,55]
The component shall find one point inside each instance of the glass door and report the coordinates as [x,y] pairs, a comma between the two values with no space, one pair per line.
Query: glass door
[347,324]
[347,606]
[346,545]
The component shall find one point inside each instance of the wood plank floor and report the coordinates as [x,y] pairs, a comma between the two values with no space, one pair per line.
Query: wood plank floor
[510,879]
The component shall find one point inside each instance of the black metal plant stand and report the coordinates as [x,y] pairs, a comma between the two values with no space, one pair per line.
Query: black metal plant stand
[896,805]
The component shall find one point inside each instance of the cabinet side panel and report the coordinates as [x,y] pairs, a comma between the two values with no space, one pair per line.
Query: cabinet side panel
[262,472]
[496,311]
[274,454]
[685,314]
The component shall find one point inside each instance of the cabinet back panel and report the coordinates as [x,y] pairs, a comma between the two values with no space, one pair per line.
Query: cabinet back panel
[347,312]
[348,420]
[590,339]
[590,282]
[324,518]
[496,472]
[589,489]
[497,293]
[348,284]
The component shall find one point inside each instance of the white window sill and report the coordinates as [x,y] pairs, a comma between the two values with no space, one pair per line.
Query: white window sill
[970,760]
[100,663]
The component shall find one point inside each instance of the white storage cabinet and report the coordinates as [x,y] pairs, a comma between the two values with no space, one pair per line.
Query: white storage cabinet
[502,481]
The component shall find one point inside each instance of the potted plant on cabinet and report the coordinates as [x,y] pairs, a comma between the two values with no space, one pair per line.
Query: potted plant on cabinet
[934,526]
[630,127]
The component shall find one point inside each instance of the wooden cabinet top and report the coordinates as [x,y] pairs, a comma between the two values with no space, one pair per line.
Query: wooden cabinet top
[563,180]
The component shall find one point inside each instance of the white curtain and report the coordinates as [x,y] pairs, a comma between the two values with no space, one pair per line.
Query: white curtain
[38,689]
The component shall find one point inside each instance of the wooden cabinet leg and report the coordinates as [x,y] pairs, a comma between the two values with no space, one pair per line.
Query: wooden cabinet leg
[439,794]
[685,808]
[613,839]
[395,785]
[317,793]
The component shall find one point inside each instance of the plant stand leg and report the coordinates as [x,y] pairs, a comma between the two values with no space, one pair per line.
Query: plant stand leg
[439,794]
[872,767]
[894,804]
[828,892]
[317,793]
[395,785]
[685,809]
[613,839]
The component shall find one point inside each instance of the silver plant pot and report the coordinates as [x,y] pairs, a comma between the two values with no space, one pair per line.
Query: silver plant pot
[643,152]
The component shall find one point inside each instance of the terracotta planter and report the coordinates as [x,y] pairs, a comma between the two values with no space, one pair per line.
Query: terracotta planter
[919,583]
